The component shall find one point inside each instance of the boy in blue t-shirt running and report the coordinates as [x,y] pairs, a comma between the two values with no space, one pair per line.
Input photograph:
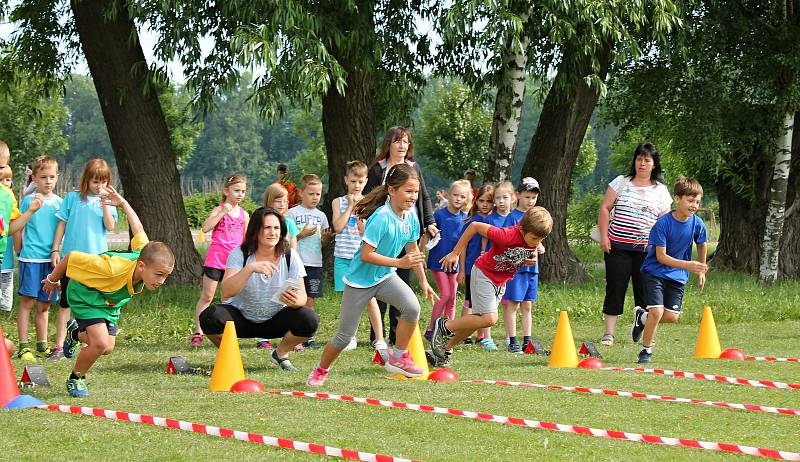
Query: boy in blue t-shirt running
[666,267]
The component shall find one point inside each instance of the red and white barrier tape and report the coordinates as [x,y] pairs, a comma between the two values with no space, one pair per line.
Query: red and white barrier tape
[223,433]
[771,358]
[613,434]
[718,378]
[647,396]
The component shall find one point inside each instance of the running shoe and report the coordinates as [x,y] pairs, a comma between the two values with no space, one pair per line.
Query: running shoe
[71,345]
[402,365]
[638,325]
[317,377]
[196,340]
[77,387]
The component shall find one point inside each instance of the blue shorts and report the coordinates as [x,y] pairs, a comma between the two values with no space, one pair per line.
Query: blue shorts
[313,281]
[340,268]
[662,292]
[31,276]
[523,288]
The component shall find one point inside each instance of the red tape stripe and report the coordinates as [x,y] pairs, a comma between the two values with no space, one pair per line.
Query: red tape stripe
[772,358]
[718,378]
[224,433]
[629,394]
[627,436]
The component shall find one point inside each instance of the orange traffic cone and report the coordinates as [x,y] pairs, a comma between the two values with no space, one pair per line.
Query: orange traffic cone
[8,379]
[707,339]
[228,368]
[563,354]
[417,352]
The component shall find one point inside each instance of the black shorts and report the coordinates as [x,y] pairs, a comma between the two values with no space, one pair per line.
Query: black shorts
[215,274]
[467,291]
[62,302]
[301,322]
[662,292]
[84,323]
[313,281]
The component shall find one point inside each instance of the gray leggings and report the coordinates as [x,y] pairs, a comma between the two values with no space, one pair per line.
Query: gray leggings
[391,290]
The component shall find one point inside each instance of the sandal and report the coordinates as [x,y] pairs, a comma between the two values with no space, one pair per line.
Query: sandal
[283,363]
[607,339]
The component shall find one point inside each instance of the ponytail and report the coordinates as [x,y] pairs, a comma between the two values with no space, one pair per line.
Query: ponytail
[397,176]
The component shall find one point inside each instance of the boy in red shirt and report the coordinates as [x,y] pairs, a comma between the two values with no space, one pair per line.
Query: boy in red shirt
[511,248]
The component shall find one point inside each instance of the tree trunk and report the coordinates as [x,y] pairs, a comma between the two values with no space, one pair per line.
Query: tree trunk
[507,112]
[551,158]
[773,227]
[741,219]
[136,127]
[789,263]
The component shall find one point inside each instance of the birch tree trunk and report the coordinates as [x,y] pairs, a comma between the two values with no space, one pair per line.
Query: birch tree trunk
[507,112]
[773,229]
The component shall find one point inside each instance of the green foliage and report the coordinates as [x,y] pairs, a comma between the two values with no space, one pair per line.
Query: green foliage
[30,123]
[183,129]
[582,215]
[88,136]
[199,206]
[454,130]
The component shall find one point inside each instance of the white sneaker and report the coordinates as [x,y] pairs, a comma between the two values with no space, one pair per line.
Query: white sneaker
[352,345]
[380,345]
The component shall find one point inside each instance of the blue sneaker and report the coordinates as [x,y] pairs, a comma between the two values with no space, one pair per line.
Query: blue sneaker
[77,388]
[488,344]
[71,346]
[644,357]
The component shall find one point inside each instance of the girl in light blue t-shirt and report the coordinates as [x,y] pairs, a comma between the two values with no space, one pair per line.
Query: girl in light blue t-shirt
[86,218]
[392,226]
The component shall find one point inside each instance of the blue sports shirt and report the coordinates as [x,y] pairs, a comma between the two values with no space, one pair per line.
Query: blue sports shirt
[450,229]
[85,230]
[677,236]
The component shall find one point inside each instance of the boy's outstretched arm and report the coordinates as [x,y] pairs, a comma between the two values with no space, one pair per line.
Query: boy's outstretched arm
[450,260]
[692,266]
[119,201]
[52,281]
[702,252]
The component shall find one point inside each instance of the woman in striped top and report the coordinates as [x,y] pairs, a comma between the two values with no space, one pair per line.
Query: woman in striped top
[630,207]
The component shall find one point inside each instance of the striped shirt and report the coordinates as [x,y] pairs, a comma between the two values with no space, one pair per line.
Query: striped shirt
[348,240]
[635,211]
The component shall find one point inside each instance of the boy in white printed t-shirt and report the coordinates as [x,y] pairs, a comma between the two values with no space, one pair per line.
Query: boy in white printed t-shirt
[314,228]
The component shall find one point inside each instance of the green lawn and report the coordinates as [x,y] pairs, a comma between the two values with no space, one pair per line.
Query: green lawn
[157,325]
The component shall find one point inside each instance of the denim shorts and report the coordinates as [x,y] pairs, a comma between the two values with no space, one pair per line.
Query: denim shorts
[31,275]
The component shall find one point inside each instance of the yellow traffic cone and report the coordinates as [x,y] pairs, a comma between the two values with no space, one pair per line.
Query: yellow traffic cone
[563,353]
[417,352]
[707,339]
[228,367]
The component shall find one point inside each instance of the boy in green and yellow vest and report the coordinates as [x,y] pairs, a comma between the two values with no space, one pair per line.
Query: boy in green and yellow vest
[102,284]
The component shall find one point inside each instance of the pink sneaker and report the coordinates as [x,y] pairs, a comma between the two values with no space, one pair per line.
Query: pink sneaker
[196,341]
[263,345]
[299,347]
[317,377]
[402,365]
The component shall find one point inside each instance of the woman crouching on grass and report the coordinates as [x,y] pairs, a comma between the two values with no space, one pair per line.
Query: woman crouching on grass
[254,274]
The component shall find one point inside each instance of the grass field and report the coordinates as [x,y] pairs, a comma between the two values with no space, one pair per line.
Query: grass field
[156,325]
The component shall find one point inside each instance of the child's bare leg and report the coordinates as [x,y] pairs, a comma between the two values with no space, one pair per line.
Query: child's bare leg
[486,332]
[610,322]
[329,355]
[98,342]
[310,303]
[41,319]
[206,297]
[23,317]
[464,326]
[404,331]
[527,318]
[654,314]
[288,342]
[510,318]
[62,316]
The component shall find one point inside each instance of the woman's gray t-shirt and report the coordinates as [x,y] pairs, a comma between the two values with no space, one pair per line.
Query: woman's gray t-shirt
[255,300]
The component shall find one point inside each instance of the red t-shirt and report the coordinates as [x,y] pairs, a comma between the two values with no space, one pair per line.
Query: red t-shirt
[505,256]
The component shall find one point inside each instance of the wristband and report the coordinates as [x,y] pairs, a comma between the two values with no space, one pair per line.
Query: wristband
[47,278]
[54,251]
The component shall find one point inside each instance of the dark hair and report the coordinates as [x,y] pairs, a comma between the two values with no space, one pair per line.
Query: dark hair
[647,149]
[250,242]
[395,178]
[393,134]
[486,188]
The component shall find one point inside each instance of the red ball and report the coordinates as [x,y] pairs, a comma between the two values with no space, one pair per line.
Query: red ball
[732,353]
[247,386]
[443,375]
[591,363]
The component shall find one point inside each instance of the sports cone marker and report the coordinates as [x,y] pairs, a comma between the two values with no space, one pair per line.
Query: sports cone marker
[417,352]
[378,359]
[563,353]
[9,390]
[707,339]
[228,367]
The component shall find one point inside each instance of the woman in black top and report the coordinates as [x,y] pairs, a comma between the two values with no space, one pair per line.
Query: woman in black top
[398,147]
